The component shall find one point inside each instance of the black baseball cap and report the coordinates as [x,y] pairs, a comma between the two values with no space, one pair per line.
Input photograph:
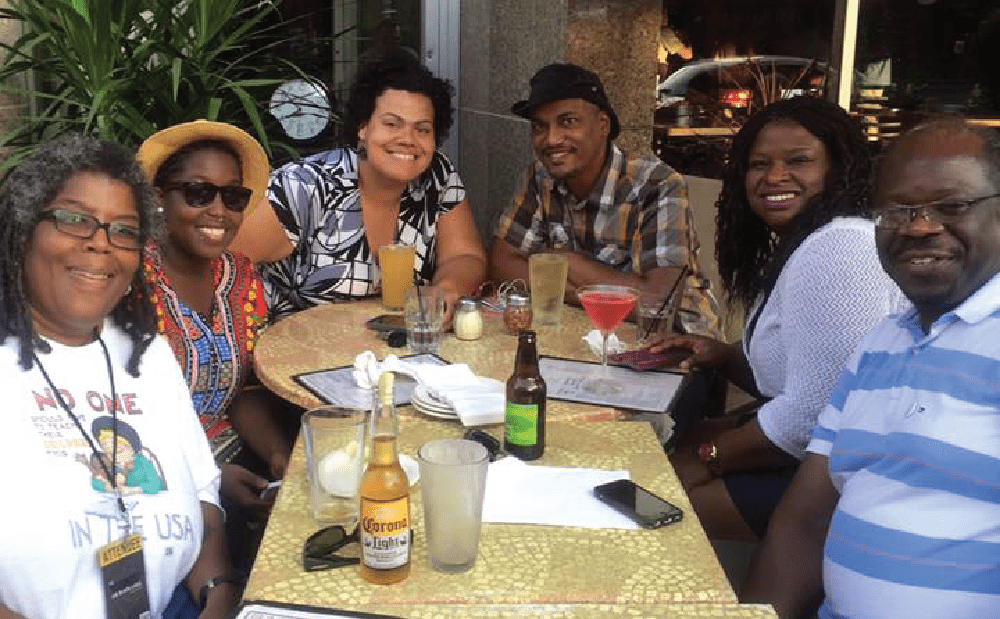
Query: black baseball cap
[559,81]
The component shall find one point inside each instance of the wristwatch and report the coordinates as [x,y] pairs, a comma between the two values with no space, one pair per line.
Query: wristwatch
[709,454]
[212,583]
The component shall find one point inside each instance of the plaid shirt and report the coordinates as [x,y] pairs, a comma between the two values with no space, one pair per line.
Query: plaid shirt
[636,218]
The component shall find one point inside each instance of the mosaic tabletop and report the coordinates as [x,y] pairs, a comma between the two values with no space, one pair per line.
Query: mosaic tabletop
[580,611]
[517,564]
[329,336]
[561,611]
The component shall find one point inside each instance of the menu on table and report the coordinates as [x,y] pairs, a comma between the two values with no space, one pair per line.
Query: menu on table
[337,386]
[275,610]
[651,391]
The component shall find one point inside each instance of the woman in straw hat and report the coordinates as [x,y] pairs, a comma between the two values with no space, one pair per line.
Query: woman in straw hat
[210,303]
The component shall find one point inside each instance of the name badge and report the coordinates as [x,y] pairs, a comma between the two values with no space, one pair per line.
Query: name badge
[123,572]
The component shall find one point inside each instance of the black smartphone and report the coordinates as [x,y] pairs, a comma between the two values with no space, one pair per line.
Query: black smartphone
[639,504]
[386,322]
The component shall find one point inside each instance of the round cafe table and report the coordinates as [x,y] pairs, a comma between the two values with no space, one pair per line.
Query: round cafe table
[330,336]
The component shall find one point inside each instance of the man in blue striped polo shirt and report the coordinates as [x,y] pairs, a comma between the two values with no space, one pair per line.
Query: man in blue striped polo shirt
[903,479]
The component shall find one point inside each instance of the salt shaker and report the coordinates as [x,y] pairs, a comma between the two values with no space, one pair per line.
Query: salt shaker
[468,319]
[517,314]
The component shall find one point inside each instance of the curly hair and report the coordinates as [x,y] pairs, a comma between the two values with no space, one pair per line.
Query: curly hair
[749,254]
[397,69]
[27,193]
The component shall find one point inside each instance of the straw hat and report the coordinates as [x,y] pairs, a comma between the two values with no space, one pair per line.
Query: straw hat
[253,160]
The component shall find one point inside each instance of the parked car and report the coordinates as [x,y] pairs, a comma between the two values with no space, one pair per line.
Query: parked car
[727,90]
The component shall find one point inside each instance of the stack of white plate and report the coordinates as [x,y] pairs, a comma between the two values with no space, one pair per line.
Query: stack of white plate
[429,405]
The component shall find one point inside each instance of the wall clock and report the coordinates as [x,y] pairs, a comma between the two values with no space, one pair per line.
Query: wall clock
[302,107]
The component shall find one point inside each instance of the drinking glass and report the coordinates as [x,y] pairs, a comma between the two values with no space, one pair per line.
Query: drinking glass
[424,316]
[607,305]
[335,455]
[453,484]
[395,262]
[547,280]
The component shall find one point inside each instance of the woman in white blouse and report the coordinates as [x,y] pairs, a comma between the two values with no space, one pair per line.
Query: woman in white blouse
[796,250]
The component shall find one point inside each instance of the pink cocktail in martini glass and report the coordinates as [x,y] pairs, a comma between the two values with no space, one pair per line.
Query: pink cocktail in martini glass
[607,305]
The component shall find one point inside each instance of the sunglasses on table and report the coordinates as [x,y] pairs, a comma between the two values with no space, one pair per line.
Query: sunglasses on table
[329,548]
[202,193]
[333,547]
[83,226]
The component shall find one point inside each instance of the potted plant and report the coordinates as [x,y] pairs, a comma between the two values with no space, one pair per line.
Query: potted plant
[126,68]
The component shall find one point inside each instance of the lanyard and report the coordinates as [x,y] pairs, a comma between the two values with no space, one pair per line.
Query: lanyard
[79,426]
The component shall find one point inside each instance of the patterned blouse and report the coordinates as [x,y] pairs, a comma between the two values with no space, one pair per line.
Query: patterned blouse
[316,200]
[216,351]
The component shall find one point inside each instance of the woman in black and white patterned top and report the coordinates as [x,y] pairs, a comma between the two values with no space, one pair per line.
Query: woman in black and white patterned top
[328,214]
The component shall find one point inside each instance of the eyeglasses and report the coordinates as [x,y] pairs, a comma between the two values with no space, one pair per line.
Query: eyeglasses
[201,193]
[328,548]
[948,212]
[83,226]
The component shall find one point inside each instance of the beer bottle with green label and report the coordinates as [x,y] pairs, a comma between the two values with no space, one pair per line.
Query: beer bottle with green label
[524,435]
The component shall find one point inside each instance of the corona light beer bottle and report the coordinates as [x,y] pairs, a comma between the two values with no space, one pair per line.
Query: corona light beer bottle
[524,432]
[385,497]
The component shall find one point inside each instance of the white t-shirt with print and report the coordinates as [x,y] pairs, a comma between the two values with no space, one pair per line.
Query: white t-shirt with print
[57,511]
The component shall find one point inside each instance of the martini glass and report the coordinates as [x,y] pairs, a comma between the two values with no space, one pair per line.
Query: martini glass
[607,305]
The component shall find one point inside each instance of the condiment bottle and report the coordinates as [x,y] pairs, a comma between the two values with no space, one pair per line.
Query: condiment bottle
[385,497]
[468,319]
[517,313]
[524,429]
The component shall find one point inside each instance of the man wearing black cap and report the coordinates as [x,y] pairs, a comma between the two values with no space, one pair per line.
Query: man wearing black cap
[619,219]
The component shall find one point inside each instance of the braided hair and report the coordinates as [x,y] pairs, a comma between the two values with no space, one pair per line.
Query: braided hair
[27,193]
[750,255]
[397,69]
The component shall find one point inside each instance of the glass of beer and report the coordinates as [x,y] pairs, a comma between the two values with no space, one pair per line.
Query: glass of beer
[547,280]
[396,264]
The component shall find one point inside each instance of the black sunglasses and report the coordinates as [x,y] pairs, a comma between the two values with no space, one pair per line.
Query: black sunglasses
[329,548]
[202,193]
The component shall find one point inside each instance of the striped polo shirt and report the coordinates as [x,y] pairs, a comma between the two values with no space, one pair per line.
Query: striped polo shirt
[912,433]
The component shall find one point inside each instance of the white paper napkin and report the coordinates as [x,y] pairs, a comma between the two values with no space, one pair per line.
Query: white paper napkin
[593,340]
[477,401]
[517,492]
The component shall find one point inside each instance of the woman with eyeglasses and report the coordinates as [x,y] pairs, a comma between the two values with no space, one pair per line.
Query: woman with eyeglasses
[318,235]
[796,252]
[210,305]
[102,454]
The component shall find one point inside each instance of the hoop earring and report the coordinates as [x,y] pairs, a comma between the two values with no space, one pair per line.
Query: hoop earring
[362,151]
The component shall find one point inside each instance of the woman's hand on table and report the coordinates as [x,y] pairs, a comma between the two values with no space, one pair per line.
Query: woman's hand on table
[451,297]
[244,487]
[705,351]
